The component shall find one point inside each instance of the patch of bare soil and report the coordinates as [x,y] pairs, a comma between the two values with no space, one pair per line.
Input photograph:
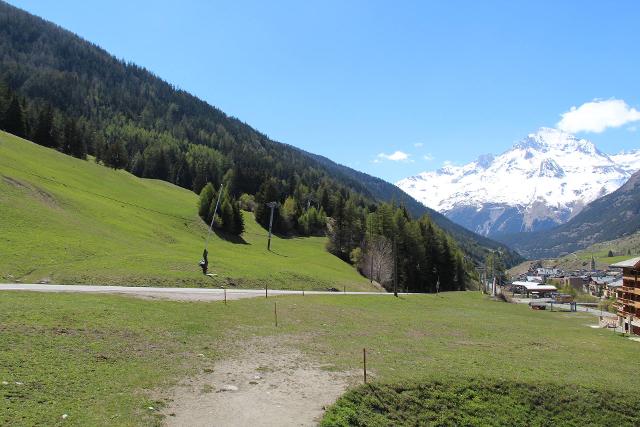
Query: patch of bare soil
[267,384]
[186,295]
[35,192]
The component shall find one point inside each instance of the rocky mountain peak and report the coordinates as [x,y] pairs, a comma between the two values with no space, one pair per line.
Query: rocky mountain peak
[542,181]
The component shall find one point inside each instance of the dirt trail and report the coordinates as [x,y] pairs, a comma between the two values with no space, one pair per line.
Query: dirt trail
[268,384]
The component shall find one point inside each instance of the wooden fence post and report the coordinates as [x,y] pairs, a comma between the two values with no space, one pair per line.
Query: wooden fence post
[364,363]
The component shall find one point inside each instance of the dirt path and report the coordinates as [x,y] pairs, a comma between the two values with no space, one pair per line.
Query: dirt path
[268,384]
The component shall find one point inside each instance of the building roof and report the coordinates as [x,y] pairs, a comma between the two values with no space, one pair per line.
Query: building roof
[629,263]
[603,280]
[615,284]
[533,286]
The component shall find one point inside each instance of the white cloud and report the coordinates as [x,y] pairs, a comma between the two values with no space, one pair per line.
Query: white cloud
[418,144]
[398,156]
[598,115]
[428,157]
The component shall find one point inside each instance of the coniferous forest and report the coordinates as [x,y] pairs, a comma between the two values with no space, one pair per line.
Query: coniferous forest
[67,94]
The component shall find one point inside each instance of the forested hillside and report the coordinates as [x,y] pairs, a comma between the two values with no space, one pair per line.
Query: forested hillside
[67,94]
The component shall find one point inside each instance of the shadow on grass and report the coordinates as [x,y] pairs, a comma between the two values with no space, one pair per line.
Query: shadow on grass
[278,254]
[228,237]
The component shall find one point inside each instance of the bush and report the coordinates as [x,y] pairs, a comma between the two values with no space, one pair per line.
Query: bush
[312,221]
[247,202]
[607,305]
[356,256]
[482,403]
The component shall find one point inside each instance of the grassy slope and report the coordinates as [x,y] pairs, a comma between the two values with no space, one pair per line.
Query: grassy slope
[73,221]
[97,358]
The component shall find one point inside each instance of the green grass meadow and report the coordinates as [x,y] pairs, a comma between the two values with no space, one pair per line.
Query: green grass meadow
[103,360]
[71,221]
[448,359]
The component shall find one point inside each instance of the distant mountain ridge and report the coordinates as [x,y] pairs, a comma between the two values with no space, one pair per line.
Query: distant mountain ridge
[610,217]
[542,181]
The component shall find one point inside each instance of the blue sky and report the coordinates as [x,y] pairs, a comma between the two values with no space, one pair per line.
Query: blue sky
[437,81]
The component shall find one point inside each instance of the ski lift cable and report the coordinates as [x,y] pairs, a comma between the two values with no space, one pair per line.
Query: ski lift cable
[215,211]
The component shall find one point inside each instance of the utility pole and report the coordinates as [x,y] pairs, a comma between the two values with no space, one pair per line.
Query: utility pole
[272,205]
[395,269]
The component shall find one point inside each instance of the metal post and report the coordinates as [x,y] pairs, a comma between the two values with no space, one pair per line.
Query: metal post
[272,205]
[275,312]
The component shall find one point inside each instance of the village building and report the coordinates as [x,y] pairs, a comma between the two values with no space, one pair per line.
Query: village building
[534,289]
[628,295]
[576,282]
[598,285]
[543,271]
[611,288]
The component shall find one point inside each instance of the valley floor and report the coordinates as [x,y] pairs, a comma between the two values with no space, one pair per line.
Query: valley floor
[107,359]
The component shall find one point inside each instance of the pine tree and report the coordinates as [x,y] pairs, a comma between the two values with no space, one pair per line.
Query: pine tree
[115,155]
[4,102]
[460,274]
[73,143]
[226,215]
[206,198]
[288,214]
[14,121]
[238,219]
[44,134]
[183,176]
[338,232]
[137,164]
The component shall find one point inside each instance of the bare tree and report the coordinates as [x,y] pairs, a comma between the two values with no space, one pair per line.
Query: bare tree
[377,260]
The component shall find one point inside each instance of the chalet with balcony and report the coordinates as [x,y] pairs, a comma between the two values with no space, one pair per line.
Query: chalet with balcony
[628,296]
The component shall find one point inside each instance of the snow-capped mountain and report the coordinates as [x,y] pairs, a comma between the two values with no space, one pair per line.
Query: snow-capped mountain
[543,180]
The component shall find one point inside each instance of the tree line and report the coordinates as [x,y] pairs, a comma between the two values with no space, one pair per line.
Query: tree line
[381,240]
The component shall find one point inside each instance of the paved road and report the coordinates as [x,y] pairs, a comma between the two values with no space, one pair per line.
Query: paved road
[583,308]
[178,294]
